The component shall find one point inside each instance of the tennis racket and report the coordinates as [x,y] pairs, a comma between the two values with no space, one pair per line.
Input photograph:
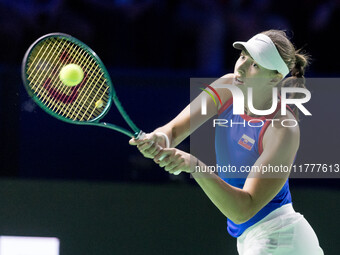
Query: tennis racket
[84,104]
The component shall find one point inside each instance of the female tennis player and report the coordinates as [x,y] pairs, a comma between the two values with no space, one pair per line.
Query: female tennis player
[259,207]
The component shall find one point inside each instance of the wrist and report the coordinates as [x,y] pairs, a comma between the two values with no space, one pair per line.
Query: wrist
[195,164]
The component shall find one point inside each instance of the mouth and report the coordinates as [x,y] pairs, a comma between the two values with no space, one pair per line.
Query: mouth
[238,80]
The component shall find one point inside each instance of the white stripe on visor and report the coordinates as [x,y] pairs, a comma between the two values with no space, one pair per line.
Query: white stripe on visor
[262,49]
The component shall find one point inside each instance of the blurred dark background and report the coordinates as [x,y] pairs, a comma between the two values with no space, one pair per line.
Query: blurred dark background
[151,49]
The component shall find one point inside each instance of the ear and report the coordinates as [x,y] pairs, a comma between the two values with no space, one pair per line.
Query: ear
[277,77]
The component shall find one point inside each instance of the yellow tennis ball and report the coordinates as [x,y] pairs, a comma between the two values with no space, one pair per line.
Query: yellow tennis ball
[71,75]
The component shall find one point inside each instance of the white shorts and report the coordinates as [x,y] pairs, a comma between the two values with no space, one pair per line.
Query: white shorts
[282,232]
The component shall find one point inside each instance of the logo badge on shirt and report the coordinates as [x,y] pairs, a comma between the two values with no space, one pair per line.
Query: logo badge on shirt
[246,142]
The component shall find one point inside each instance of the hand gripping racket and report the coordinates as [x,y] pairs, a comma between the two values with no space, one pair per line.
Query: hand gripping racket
[86,103]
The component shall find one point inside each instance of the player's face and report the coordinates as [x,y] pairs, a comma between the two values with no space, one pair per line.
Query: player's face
[251,74]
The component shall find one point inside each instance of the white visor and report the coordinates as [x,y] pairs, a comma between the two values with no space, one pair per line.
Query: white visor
[262,49]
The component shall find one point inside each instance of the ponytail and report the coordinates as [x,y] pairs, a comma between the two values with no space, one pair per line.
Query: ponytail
[297,79]
[301,62]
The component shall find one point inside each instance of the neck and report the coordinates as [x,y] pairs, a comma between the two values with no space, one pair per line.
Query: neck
[262,100]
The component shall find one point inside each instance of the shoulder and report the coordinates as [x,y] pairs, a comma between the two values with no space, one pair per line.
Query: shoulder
[283,130]
[226,79]
[228,76]
[222,91]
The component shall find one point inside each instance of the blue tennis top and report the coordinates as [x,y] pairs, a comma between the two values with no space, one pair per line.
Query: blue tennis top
[238,144]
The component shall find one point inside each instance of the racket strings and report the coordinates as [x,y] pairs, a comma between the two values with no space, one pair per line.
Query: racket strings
[62,93]
[65,96]
[45,92]
[89,97]
[93,110]
[42,92]
[78,102]
[87,94]
[86,98]
[43,68]
[63,107]
[35,61]
[79,106]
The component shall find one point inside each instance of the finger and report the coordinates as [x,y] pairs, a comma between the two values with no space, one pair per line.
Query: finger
[170,161]
[151,153]
[175,162]
[165,159]
[177,170]
[148,138]
[132,141]
[153,150]
[161,155]
[141,141]
[145,146]
[145,139]
[164,162]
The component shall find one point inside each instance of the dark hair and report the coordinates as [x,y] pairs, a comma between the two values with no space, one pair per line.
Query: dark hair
[296,60]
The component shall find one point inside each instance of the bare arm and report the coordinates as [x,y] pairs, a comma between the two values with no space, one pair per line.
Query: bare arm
[188,120]
[280,146]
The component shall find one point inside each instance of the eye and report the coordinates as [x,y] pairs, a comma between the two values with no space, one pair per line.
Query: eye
[242,56]
[255,65]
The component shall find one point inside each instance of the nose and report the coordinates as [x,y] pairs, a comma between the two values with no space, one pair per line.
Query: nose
[243,67]
[241,71]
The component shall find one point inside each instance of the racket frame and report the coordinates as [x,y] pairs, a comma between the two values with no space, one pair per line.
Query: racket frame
[137,133]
